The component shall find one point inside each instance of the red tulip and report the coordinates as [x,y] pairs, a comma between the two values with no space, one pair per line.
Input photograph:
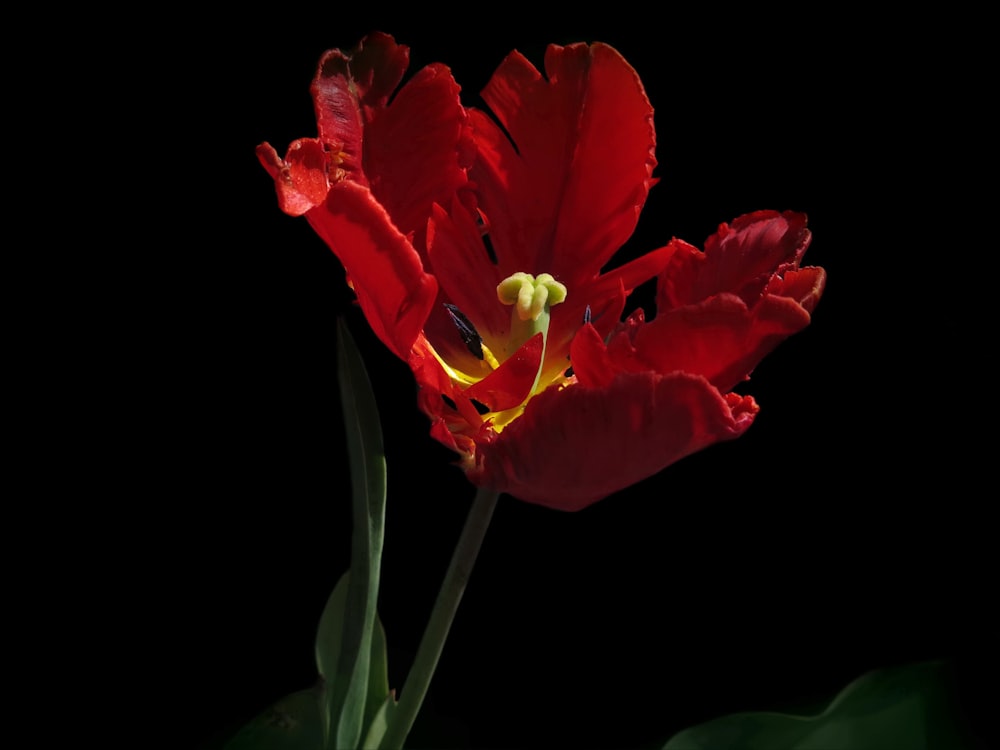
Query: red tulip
[475,247]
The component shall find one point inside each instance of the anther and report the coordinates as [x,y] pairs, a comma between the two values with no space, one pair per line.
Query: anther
[470,337]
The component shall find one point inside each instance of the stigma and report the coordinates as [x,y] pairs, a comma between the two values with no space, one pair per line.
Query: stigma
[530,296]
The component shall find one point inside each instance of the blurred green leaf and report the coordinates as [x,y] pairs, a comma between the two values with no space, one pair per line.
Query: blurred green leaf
[904,708]
[378,675]
[379,724]
[293,723]
[329,633]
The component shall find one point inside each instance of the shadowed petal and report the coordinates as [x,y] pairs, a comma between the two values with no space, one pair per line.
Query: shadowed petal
[720,339]
[740,258]
[575,446]
[417,149]
[349,89]
[805,285]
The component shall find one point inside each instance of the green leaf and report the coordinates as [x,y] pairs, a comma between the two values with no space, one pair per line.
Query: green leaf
[379,724]
[293,723]
[329,634]
[344,644]
[904,708]
[328,647]
[378,675]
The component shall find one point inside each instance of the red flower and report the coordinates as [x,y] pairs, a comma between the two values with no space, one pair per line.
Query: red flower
[476,249]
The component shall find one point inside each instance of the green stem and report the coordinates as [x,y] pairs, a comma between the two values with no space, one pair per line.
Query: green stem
[431,645]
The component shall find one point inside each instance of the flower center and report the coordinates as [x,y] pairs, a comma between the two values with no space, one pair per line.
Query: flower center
[531,299]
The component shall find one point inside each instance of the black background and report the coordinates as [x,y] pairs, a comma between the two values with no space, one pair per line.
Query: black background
[844,532]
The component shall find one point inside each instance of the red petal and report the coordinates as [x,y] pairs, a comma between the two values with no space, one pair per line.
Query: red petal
[415,150]
[384,269]
[349,88]
[720,339]
[591,362]
[805,285]
[570,195]
[434,383]
[377,67]
[508,386]
[605,296]
[468,280]
[575,446]
[740,259]
[300,179]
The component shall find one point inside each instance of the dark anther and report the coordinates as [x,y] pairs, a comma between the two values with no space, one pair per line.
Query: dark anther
[488,244]
[569,372]
[472,340]
[586,315]
[480,407]
[449,401]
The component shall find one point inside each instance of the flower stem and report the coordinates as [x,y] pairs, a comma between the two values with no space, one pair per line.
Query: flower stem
[431,645]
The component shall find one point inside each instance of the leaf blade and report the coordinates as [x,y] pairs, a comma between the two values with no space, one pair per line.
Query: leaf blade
[348,686]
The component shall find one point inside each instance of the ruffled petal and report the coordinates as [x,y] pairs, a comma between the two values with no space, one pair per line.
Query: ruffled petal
[417,150]
[377,66]
[575,446]
[804,285]
[350,88]
[566,194]
[301,178]
[740,259]
[720,339]
[338,114]
[385,271]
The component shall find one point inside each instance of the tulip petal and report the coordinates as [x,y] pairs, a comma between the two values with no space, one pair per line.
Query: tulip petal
[564,192]
[377,66]
[804,285]
[416,150]
[591,362]
[350,89]
[385,271]
[301,178]
[436,389]
[605,297]
[720,338]
[338,113]
[740,258]
[508,386]
[558,453]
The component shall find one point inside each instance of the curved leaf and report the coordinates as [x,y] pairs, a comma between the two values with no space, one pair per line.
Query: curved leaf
[346,640]
[905,708]
[293,723]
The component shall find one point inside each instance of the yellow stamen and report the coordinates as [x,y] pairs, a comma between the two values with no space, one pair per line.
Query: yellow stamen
[488,356]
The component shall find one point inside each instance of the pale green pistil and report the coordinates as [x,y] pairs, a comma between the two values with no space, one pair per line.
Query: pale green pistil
[532,298]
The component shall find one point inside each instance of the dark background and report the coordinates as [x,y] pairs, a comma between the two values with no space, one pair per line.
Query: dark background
[844,532]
